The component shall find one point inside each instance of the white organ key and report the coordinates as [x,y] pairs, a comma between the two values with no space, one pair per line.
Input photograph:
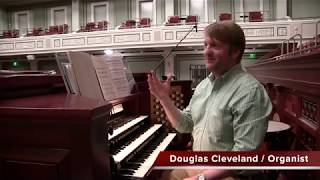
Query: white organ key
[123,128]
[146,165]
[135,144]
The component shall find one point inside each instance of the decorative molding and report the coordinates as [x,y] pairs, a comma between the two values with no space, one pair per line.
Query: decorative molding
[6,46]
[93,4]
[168,35]
[73,42]
[39,44]
[192,35]
[25,45]
[154,9]
[48,43]
[99,39]
[16,19]
[64,8]
[281,31]
[57,43]
[146,37]
[126,38]
[259,32]
[157,35]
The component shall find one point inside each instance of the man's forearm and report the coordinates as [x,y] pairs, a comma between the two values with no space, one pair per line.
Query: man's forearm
[171,110]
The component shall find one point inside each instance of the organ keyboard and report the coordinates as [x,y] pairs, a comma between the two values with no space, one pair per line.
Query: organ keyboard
[135,145]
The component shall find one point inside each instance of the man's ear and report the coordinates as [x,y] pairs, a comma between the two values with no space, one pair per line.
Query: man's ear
[235,53]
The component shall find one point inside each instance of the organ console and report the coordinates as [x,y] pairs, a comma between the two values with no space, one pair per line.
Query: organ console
[292,83]
[46,133]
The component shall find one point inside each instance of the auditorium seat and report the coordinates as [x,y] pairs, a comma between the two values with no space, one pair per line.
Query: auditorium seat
[52,30]
[191,19]
[102,25]
[128,24]
[38,31]
[11,33]
[144,22]
[225,17]
[90,26]
[255,16]
[63,29]
[173,21]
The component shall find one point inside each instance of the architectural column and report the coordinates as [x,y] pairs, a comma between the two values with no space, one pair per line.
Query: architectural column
[206,15]
[155,12]
[261,6]
[281,9]
[33,65]
[169,8]
[241,10]
[75,15]
[3,20]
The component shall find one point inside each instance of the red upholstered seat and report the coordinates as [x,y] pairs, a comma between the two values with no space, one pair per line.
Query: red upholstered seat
[52,30]
[11,33]
[36,32]
[191,19]
[173,20]
[225,16]
[145,22]
[63,29]
[255,16]
[102,25]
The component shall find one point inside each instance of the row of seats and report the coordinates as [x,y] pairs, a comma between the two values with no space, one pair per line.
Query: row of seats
[60,29]
[254,16]
[14,33]
[177,20]
[143,23]
[94,26]
[56,29]
[172,21]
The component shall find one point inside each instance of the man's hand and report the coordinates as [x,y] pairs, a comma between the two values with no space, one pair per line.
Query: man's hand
[191,178]
[157,88]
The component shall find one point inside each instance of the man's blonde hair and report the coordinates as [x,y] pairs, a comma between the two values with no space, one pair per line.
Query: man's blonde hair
[228,33]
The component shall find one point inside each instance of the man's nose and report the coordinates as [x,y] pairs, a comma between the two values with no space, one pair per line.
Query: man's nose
[207,51]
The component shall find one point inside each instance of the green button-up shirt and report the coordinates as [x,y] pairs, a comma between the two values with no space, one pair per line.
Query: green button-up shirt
[228,113]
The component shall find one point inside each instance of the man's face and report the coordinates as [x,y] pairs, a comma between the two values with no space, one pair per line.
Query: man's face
[218,58]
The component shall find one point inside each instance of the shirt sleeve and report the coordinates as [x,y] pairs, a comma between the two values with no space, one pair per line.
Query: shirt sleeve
[250,124]
[185,124]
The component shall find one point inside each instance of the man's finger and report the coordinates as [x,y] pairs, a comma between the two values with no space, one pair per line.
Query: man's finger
[169,79]
[154,76]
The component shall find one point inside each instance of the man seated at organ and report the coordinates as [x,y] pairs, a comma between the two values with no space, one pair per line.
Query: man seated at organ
[228,110]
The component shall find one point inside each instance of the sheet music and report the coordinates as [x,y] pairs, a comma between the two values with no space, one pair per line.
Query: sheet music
[104,77]
[98,77]
[116,75]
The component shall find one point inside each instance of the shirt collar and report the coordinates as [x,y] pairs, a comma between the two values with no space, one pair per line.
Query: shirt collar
[234,70]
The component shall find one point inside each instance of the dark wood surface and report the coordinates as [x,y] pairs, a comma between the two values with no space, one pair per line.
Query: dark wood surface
[54,135]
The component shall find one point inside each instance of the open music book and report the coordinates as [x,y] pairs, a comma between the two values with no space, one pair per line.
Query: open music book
[98,77]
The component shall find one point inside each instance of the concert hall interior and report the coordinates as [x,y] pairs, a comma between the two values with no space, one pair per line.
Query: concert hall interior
[51,130]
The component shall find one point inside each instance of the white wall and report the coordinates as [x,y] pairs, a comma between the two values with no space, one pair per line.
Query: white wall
[305,8]
[182,65]
[138,64]
[3,20]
